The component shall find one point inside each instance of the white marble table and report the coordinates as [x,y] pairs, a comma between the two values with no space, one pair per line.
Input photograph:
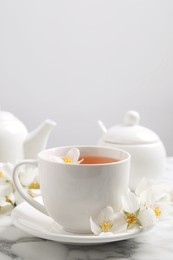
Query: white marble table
[156,244]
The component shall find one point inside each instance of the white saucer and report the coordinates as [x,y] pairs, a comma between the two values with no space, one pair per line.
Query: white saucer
[35,223]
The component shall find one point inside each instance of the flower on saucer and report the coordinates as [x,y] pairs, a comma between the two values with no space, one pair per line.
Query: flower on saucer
[161,191]
[9,197]
[6,204]
[150,202]
[140,209]
[6,172]
[72,156]
[29,179]
[154,196]
[107,222]
[7,200]
[135,215]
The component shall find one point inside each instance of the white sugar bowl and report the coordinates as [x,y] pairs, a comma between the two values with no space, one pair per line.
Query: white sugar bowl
[148,153]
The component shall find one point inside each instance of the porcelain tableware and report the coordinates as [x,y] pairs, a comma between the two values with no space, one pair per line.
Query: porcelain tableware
[147,151]
[74,192]
[16,143]
[37,224]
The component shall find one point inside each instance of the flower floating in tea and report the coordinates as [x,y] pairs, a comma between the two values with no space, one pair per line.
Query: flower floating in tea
[72,156]
[140,209]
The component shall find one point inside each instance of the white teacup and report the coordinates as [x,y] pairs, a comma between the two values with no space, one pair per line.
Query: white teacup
[73,192]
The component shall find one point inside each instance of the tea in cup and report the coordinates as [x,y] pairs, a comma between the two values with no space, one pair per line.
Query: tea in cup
[74,191]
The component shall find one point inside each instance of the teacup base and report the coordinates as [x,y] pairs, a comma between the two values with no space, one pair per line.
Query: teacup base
[55,227]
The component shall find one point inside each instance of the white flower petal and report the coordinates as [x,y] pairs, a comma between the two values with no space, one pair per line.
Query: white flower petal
[6,209]
[105,214]
[161,192]
[18,198]
[119,223]
[163,207]
[78,162]
[34,192]
[95,228]
[142,186]
[147,198]
[74,154]
[6,169]
[5,189]
[153,195]
[11,197]
[130,202]
[154,191]
[28,175]
[2,201]
[37,177]
[147,217]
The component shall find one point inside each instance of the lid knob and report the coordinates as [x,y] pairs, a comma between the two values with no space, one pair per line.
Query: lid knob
[131,118]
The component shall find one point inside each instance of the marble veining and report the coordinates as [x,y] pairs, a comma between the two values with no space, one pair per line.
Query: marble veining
[155,244]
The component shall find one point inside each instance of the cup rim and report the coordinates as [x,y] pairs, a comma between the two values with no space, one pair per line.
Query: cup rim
[40,155]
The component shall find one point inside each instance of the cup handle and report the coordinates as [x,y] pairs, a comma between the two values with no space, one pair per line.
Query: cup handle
[20,189]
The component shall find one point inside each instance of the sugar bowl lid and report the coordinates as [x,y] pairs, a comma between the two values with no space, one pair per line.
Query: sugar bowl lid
[130,132]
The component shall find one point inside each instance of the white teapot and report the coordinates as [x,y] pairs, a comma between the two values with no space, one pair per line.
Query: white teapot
[147,151]
[15,142]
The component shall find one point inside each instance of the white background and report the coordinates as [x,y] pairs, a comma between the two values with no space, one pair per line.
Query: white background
[77,61]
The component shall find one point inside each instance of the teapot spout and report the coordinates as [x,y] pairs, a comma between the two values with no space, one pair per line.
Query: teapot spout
[102,126]
[36,141]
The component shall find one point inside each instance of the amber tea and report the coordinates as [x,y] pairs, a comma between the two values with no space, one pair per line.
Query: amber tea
[97,159]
